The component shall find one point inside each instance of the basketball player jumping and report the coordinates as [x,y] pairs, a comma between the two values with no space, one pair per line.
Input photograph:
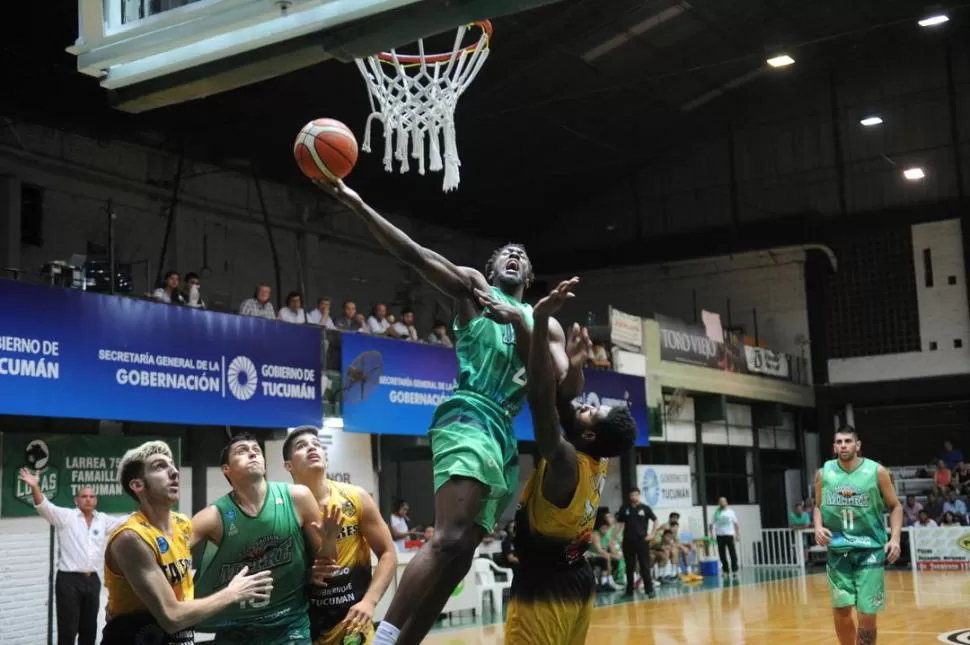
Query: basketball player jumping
[852,493]
[148,563]
[342,611]
[475,453]
[262,525]
[552,592]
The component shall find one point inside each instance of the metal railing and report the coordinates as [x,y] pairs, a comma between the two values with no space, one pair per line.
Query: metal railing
[796,549]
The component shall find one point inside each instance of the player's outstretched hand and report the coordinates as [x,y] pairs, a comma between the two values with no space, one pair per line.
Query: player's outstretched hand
[339,191]
[330,522]
[258,586]
[823,536]
[578,345]
[29,478]
[892,551]
[556,298]
[497,310]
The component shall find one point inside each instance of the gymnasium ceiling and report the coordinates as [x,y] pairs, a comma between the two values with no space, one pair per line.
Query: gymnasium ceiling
[573,97]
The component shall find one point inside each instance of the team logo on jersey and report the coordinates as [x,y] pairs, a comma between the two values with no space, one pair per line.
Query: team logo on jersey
[162,544]
[230,515]
[589,512]
[845,495]
[347,508]
[878,600]
[232,530]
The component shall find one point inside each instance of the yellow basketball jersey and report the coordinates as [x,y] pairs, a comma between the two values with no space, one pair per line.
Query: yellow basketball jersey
[574,523]
[171,553]
[329,605]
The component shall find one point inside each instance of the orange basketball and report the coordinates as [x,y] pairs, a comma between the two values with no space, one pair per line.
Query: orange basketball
[325,149]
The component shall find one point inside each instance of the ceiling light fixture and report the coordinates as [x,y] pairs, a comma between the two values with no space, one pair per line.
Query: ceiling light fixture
[870,121]
[781,60]
[933,21]
[914,174]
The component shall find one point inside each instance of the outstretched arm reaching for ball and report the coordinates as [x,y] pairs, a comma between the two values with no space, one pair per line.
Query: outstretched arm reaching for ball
[452,280]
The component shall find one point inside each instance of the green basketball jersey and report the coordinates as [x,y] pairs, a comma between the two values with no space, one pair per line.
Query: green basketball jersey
[852,506]
[272,540]
[488,364]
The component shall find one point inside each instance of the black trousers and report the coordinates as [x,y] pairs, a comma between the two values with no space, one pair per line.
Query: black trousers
[725,546]
[77,597]
[634,552]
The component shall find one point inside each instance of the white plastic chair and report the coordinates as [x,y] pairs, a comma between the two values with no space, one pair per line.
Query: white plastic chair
[485,570]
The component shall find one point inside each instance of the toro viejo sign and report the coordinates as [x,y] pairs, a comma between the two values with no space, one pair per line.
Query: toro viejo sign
[65,464]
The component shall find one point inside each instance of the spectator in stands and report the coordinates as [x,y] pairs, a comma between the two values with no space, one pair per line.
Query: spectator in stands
[350,320]
[509,558]
[951,456]
[956,506]
[799,518]
[934,505]
[949,519]
[400,529]
[169,292]
[259,305]
[193,294]
[377,322]
[961,476]
[911,510]
[404,328]
[81,537]
[599,357]
[439,335]
[321,315]
[942,476]
[428,533]
[293,311]
[925,521]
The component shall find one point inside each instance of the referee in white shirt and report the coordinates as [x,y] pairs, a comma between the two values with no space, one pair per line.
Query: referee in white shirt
[81,534]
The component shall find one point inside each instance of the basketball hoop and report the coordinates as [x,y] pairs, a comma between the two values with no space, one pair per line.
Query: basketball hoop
[414,97]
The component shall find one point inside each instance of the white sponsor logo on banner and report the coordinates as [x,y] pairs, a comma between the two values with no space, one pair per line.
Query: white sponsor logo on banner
[944,548]
[665,486]
[765,361]
[626,330]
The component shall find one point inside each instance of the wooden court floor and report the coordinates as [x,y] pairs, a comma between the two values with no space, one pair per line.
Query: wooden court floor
[761,608]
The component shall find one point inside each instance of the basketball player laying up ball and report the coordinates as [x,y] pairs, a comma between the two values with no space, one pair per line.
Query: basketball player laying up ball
[552,592]
[342,611]
[474,451]
[262,525]
[148,563]
[852,493]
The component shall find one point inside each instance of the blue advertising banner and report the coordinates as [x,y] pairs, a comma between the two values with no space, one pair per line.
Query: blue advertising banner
[67,353]
[392,387]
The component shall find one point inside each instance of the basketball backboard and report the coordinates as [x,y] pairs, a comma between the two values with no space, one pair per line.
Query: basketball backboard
[151,53]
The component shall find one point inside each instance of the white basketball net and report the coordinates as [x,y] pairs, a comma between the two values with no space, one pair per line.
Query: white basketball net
[415,102]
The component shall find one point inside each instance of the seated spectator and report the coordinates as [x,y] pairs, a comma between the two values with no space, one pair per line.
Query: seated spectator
[599,357]
[169,291]
[377,322]
[956,506]
[350,320]
[193,297]
[961,476]
[509,558]
[321,315]
[428,533]
[924,521]
[439,335]
[404,328]
[799,518]
[911,510]
[293,311]
[934,505]
[949,519]
[950,456]
[942,476]
[259,305]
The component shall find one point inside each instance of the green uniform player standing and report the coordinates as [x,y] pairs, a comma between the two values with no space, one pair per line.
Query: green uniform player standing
[263,526]
[852,495]
[474,450]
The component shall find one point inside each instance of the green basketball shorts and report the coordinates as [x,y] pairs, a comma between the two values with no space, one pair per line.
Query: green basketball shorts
[858,579]
[295,633]
[463,445]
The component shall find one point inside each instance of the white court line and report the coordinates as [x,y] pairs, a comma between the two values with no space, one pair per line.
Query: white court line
[746,630]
